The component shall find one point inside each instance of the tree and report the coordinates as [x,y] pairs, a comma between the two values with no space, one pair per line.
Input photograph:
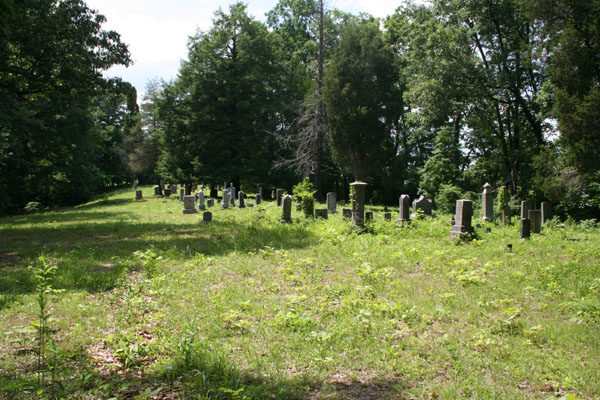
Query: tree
[52,54]
[360,96]
[216,116]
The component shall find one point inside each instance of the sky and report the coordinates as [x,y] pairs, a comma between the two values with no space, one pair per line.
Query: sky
[157,31]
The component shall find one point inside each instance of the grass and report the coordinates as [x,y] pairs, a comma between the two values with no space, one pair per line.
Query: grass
[156,304]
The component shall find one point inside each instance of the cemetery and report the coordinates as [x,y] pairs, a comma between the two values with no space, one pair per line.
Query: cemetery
[299,200]
[156,295]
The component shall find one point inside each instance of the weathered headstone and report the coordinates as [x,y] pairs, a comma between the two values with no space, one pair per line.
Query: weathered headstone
[225,202]
[241,199]
[157,191]
[487,203]
[167,192]
[181,193]
[525,230]
[331,202]
[404,209]
[321,213]
[206,217]
[189,204]
[387,216]
[258,198]
[201,205]
[422,204]
[232,195]
[535,216]
[286,212]
[464,213]
[546,212]
[524,209]
[369,215]
[210,203]
[138,195]
[358,204]
[347,213]
[279,196]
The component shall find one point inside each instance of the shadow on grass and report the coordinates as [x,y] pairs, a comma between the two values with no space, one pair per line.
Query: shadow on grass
[93,256]
[196,374]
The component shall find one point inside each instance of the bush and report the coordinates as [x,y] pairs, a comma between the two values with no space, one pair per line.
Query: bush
[447,197]
[304,194]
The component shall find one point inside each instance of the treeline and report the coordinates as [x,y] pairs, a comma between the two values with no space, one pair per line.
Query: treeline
[435,99]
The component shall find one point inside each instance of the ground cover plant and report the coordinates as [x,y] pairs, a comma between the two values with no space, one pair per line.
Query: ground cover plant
[143,302]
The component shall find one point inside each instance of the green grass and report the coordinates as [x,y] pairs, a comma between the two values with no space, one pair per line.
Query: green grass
[157,304]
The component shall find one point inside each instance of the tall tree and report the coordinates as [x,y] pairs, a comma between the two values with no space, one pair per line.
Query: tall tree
[361,96]
[217,115]
[52,54]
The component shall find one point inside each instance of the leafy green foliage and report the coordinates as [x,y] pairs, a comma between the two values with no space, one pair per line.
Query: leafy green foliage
[304,193]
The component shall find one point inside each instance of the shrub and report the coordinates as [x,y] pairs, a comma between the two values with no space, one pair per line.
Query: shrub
[447,197]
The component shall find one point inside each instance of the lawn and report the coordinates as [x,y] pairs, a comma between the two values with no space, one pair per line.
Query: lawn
[149,303]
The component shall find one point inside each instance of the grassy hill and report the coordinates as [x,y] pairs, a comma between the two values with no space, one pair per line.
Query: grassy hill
[154,304]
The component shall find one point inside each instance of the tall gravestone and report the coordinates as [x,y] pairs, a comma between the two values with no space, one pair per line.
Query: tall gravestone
[404,209]
[464,213]
[331,202]
[138,195]
[241,199]
[535,216]
[189,204]
[181,193]
[225,202]
[232,195]
[201,205]
[279,195]
[546,212]
[422,204]
[286,212]
[525,230]
[524,209]
[358,204]
[487,203]
[258,198]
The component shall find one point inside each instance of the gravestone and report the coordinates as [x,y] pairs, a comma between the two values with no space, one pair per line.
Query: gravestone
[201,206]
[387,216]
[189,204]
[173,188]
[464,213]
[157,191]
[286,212]
[524,209]
[546,212]
[225,202]
[347,213]
[525,230]
[241,199]
[331,202]
[369,215]
[258,198]
[535,216]
[404,209]
[487,203]
[422,204]
[214,193]
[167,192]
[181,194]
[358,204]
[206,217]
[232,195]
[210,203]
[138,195]
[321,213]
[279,196]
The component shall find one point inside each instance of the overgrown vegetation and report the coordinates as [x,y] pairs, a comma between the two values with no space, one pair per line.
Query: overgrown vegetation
[155,304]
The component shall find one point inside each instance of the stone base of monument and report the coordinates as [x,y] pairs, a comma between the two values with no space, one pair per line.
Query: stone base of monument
[462,232]
[189,211]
